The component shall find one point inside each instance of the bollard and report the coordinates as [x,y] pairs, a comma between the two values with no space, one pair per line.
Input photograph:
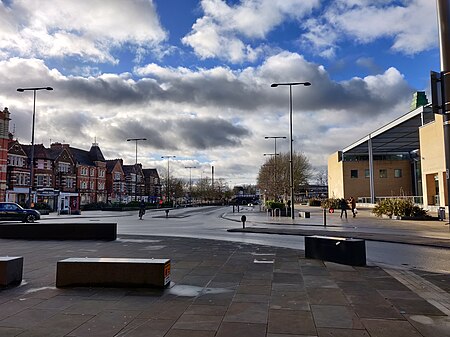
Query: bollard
[325,217]
[238,208]
[233,208]
[167,213]
[243,219]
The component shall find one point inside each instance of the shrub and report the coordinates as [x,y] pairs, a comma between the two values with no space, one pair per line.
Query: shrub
[42,206]
[330,203]
[314,202]
[398,207]
[271,204]
[94,206]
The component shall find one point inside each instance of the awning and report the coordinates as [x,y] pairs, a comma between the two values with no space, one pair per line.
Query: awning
[397,137]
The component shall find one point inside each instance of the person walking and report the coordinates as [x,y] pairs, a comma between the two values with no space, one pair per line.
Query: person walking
[352,203]
[141,209]
[343,206]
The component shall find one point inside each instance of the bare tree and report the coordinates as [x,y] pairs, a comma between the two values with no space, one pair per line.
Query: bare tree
[274,175]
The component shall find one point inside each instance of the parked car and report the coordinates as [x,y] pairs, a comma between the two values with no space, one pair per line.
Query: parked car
[10,211]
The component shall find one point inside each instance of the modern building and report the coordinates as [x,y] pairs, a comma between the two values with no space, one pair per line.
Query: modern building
[404,158]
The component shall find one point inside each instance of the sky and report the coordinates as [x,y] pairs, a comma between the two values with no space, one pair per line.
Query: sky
[193,77]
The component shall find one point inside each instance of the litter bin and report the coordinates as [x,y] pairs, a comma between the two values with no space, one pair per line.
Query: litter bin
[441,213]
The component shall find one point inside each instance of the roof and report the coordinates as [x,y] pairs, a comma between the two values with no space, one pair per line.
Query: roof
[95,153]
[39,151]
[397,137]
[111,163]
[152,172]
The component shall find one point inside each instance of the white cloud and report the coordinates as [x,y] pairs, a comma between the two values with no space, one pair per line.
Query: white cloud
[218,114]
[406,23]
[82,28]
[227,32]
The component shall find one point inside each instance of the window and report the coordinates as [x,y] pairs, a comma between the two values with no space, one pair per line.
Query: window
[83,171]
[63,167]
[92,172]
[69,182]
[92,185]
[40,180]
[366,173]
[354,174]
[397,173]
[116,176]
[383,173]
[83,185]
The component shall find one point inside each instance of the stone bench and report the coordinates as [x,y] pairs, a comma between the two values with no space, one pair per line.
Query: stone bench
[11,269]
[335,249]
[113,272]
[60,231]
[305,215]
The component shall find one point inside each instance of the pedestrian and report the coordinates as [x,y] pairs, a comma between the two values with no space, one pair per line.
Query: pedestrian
[352,203]
[141,209]
[343,206]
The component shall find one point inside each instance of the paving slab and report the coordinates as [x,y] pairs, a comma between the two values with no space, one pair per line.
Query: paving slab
[220,289]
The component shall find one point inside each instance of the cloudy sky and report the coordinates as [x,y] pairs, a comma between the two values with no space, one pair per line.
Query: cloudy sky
[193,77]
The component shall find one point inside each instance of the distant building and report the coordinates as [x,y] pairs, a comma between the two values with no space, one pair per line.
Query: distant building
[115,181]
[152,184]
[4,145]
[404,158]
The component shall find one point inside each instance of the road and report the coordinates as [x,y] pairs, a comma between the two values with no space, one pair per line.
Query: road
[207,223]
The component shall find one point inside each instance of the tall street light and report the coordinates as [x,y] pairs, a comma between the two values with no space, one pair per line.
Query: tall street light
[168,176]
[190,180]
[291,160]
[275,160]
[135,165]
[32,137]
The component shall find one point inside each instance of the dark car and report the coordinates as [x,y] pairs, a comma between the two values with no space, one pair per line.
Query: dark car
[10,211]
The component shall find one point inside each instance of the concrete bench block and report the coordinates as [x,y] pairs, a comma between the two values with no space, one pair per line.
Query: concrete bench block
[305,215]
[11,269]
[60,231]
[335,249]
[113,272]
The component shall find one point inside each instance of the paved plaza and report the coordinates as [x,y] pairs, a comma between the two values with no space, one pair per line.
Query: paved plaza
[221,289]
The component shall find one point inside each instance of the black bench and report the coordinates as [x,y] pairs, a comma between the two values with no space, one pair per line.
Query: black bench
[59,231]
[11,269]
[335,249]
[113,272]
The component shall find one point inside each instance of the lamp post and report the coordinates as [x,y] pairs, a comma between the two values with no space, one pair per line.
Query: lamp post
[190,180]
[135,165]
[275,160]
[34,89]
[291,163]
[168,176]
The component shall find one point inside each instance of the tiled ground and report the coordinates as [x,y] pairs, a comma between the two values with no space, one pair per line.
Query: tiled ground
[219,289]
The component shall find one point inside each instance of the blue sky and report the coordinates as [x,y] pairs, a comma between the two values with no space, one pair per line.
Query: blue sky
[194,76]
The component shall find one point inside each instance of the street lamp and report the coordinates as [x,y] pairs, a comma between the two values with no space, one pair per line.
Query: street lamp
[168,176]
[275,160]
[135,165]
[291,163]
[190,180]
[32,137]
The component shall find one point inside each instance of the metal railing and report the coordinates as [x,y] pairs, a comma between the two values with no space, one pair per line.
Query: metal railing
[416,199]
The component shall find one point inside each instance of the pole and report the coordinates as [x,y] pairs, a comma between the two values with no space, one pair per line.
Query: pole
[30,192]
[291,166]
[34,89]
[443,11]
[168,176]
[135,165]
[291,154]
